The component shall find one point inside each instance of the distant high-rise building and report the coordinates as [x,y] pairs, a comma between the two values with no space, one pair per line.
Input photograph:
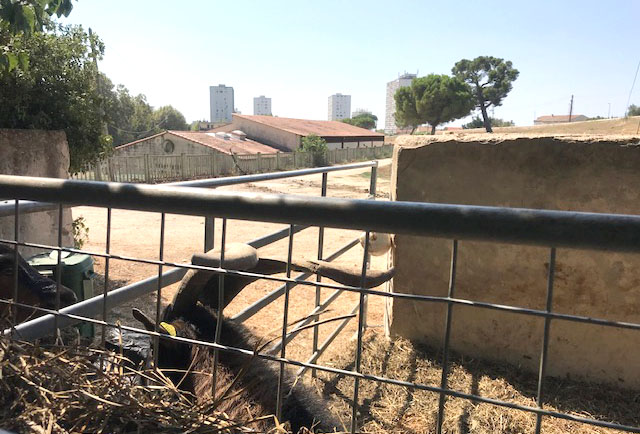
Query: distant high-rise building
[262,106]
[389,118]
[221,103]
[339,107]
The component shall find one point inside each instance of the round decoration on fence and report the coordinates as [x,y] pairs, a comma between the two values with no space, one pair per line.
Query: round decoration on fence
[168,146]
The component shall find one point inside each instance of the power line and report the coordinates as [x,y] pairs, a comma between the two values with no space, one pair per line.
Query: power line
[631,91]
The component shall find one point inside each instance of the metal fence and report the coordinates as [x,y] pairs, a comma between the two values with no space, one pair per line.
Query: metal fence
[553,229]
[164,168]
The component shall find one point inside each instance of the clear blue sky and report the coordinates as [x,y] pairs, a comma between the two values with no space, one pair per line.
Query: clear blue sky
[300,52]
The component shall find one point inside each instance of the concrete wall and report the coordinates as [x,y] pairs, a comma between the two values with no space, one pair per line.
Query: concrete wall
[155,146]
[35,153]
[564,173]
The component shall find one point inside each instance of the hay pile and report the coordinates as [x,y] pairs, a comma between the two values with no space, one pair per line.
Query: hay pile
[63,389]
[389,408]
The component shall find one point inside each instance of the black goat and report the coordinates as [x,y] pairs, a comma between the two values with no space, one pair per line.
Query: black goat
[33,288]
[258,384]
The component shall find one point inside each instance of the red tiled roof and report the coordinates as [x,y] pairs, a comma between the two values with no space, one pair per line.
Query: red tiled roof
[305,127]
[226,146]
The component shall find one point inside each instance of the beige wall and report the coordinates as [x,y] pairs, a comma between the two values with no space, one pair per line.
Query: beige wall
[570,173]
[155,146]
[35,153]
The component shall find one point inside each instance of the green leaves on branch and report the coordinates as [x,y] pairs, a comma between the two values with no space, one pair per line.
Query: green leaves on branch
[318,148]
[478,122]
[434,100]
[491,80]
[21,19]
[58,91]
[363,120]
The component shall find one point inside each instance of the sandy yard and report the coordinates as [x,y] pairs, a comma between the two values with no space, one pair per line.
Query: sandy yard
[137,234]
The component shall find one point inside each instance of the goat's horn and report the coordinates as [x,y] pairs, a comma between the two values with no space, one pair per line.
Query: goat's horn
[201,284]
[338,273]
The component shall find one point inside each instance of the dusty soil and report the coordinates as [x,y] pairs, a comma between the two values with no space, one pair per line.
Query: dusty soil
[137,234]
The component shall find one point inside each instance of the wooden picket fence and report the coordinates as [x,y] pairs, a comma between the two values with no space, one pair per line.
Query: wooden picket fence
[162,168]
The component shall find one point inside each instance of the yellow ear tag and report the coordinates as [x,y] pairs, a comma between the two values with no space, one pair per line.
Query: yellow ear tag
[169,328]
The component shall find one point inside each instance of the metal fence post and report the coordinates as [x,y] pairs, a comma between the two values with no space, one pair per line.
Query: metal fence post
[209,233]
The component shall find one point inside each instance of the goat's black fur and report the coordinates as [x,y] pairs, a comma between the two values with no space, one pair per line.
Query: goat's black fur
[302,407]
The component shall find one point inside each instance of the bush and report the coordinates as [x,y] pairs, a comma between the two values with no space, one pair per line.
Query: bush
[317,146]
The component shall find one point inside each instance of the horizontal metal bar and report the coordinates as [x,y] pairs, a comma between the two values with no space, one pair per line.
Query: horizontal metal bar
[328,341]
[254,308]
[41,326]
[8,207]
[233,180]
[506,225]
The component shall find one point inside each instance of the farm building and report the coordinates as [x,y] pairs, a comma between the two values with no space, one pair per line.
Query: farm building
[559,119]
[194,143]
[287,133]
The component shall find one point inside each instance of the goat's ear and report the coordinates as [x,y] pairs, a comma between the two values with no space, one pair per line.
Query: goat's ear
[148,323]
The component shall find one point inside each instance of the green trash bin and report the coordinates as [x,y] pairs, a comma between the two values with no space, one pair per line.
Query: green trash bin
[77,275]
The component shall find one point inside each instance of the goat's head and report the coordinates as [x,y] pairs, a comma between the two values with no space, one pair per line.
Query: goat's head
[33,288]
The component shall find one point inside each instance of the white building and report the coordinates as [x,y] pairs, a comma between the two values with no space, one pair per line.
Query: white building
[262,106]
[339,107]
[221,103]
[389,119]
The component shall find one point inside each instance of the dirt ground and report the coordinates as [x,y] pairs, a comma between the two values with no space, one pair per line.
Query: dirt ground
[137,234]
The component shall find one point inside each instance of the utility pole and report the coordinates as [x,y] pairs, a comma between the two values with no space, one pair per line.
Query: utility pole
[609,112]
[571,108]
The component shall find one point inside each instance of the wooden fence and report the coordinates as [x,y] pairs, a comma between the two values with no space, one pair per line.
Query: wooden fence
[162,168]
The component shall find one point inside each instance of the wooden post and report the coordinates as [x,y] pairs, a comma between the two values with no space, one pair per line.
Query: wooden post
[294,160]
[97,173]
[259,162]
[147,174]
[278,160]
[110,169]
[182,166]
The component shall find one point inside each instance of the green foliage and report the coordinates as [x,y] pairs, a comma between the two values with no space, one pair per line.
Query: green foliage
[59,91]
[132,117]
[19,19]
[363,120]
[633,110]
[406,114]
[491,80]
[317,146]
[434,99]
[168,118]
[80,232]
[477,122]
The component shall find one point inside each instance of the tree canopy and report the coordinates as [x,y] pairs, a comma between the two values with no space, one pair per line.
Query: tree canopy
[491,80]
[19,19]
[363,120]
[633,110]
[434,99]
[478,122]
[59,91]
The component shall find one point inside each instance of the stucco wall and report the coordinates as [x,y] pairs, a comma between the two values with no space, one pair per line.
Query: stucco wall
[268,135]
[35,153]
[155,146]
[564,173]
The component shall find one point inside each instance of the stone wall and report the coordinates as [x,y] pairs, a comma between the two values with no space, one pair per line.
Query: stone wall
[35,153]
[561,173]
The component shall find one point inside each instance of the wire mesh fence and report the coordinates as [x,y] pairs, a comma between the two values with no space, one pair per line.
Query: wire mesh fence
[552,229]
